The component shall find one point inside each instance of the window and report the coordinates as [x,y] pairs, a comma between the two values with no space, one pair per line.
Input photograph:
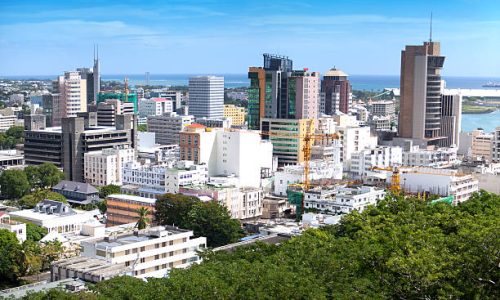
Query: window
[143,260]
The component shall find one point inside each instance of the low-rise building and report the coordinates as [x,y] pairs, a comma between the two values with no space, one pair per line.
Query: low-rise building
[482,145]
[382,108]
[77,192]
[13,226]
[215,123]
[11,159]
[56,216]
[343,199]
[7,119]
[354,139]
[146,180]
[276,207]
[123,209]
[155,107]
[151,252]
[443,182]
[441,157]
[185,173]
[104,167]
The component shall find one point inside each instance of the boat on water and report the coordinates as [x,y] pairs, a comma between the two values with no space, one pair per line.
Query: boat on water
[492,84]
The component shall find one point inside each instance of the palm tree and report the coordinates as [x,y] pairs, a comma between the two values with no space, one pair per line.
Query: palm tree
[143,218]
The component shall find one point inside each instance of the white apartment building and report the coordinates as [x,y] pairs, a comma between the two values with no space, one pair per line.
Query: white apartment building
[443,182]
[13,226]
[56,216]
[155,107]
[319,169]
[151,252]
[105,166]
[146,180]
[441,157]
[380,123]
[362,162]
[354,139]
[343,200]
[73,94]
[167,127]
[7,119]
[206,97]
[183,174]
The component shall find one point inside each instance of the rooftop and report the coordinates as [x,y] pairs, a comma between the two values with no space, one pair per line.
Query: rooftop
[137,237]
[132,198]
[74,186]
[335,72]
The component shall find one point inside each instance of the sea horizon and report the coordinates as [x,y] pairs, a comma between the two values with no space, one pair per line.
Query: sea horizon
[234,80]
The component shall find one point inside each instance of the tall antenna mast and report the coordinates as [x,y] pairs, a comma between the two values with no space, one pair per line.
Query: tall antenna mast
[430,31]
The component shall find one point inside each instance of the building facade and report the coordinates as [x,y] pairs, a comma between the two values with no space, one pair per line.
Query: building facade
[206,96]
[105,166]
[451,120]
[236,113]
[364,161]
[122,209]
[421,86]
[336,92]
[167,127]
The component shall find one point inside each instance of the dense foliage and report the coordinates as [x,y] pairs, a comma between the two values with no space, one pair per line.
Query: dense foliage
[10,138]
[108,190]
[43,176]
[403,248]
[208,219]
[27,258]
[14,184]
[34,232]
[30,201]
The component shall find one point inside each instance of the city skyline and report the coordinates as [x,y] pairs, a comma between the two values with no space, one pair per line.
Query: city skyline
[188,37]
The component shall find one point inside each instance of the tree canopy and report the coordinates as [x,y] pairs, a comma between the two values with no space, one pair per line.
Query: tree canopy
[14,184]
[10,253]
[30,200]
[10,138]
[173,209]
[108,190]
[34,232]
[401,249]
[43,176]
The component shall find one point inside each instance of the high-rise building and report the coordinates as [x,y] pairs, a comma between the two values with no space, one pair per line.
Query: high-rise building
[206,96]
[72,90]
[303,95]
[451,119]
[107,111]
[336,92]
[421,86]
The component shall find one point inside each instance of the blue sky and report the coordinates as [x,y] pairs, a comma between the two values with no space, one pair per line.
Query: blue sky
[162,37]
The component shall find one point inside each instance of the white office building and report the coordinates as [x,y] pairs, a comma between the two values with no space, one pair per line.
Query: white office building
[7,119]
[343,200]
[365,160]
[206,97]
[105,166]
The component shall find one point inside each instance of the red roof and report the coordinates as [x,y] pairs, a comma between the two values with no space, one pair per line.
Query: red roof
[196,125]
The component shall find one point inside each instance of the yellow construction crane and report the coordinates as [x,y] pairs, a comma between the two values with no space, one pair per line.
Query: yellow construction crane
[395,186]
[308,138]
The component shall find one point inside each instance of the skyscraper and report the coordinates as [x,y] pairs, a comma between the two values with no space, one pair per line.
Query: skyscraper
[278,92]
[336,92]
[421,86]
[72,90]
[206,97]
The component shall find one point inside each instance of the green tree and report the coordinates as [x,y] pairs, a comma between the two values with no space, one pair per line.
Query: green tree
[32,261]
[50,252]
[15,132]
[30,200]
[173,209]
[142,127]
[34,232]
[10,254]
[50,175]
[143,218]
[108,190]
[14,184]
[33,176]
[213,221]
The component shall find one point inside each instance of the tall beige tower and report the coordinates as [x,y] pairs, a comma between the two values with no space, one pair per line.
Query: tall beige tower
[72,90]
[421,88]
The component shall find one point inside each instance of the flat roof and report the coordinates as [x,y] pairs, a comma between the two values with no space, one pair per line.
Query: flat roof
[132,198]
[30,214]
